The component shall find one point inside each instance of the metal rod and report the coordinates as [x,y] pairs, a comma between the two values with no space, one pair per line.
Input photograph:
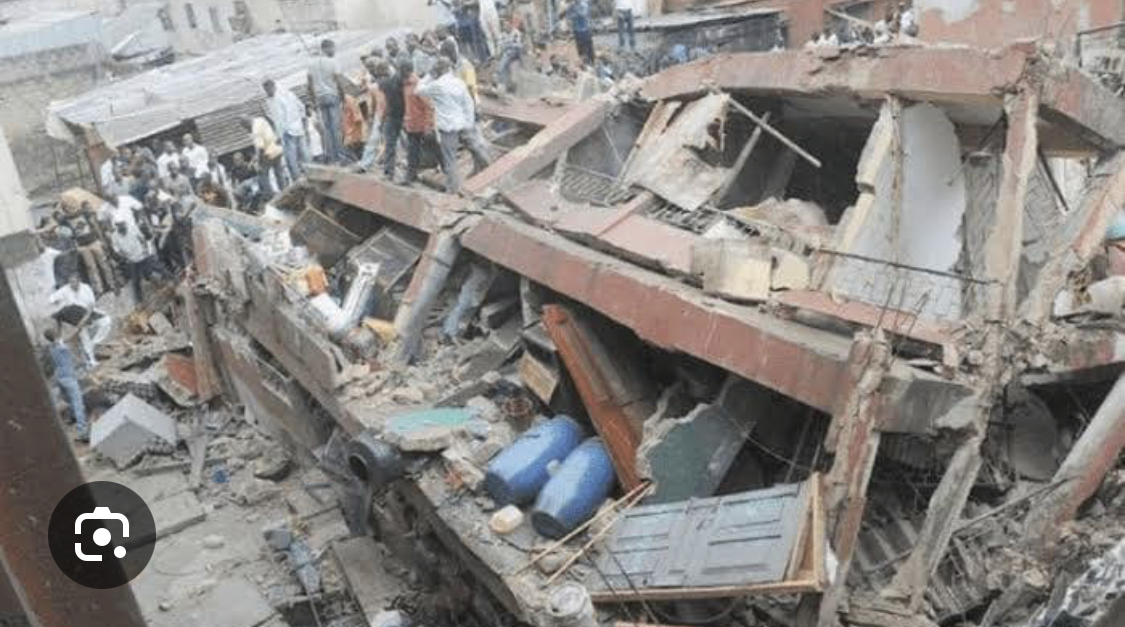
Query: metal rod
[904,266]
[776,133]
[645,489]
[554,547]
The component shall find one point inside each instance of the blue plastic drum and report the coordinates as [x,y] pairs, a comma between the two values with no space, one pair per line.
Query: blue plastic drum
[516,475]
[576,491]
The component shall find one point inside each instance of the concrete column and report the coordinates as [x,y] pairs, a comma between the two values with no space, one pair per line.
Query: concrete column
[1003,248]
[855,441]
[425,287]
[1083,470]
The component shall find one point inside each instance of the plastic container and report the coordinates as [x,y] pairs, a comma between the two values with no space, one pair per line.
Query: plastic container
[575,492]
[515,475]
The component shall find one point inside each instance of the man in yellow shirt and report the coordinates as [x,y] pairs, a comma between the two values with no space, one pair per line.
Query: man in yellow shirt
[268,152]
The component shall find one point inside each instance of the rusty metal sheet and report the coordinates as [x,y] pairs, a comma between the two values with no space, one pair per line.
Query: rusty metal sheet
[735,540]
[613,388]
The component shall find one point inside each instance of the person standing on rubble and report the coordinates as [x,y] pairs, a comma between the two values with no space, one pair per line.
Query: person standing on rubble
[246,192]
[326,89]
[376,105]
[196,157]
[578,12]
[389,119]
[418,121]
[394,51]
[268,153]
[908,23]
[455,119]
[133,251]
[511,51]
[65,371]
[463,67]
[76,304]
[623,11]
[287,113]
[87,236]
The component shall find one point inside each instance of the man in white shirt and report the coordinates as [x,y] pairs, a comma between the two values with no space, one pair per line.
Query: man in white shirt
[105,173]
[455,120]
[623,10]
[287,114]
[326,91]
[76,298]
[134,252]
[167,157]
[196,157]
[908,25]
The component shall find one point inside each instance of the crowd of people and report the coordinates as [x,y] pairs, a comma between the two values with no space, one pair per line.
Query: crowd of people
[899,20]
[417,99]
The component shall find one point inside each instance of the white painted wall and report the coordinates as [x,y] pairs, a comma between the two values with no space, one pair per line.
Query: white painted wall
[15,210]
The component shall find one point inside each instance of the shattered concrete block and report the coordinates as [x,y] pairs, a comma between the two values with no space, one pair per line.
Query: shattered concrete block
[688,457]
[790,271]
[129,428]
[506,520]
[738,270]
[175,375]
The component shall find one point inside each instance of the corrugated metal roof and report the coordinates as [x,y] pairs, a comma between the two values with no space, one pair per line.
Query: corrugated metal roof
[222,131]
[137,107]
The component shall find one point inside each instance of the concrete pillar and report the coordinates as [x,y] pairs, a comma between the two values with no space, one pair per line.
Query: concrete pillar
[1083,470]
[1003,248]
[425,287]
[855,440]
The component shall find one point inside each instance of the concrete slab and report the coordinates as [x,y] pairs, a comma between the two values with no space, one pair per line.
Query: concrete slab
[689,457]
[128,428]
[234,603]
[361,560]
[427,431]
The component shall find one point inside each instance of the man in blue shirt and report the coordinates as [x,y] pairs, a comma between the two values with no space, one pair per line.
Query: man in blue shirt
[66,375]
[578,12]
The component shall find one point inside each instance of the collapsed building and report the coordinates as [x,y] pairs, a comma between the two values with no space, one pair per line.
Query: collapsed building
[844,322]
[862,287]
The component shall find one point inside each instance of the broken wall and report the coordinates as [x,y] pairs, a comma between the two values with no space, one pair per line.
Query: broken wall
[908,217]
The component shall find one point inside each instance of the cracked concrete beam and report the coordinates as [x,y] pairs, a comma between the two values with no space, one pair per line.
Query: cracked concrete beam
[543,149]
[950,75]
[415,207]
[801,362]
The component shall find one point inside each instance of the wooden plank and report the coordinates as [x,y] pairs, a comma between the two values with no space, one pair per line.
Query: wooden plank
[538,377]
[776,133]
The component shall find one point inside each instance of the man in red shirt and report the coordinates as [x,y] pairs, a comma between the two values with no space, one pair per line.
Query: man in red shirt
[418,121]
